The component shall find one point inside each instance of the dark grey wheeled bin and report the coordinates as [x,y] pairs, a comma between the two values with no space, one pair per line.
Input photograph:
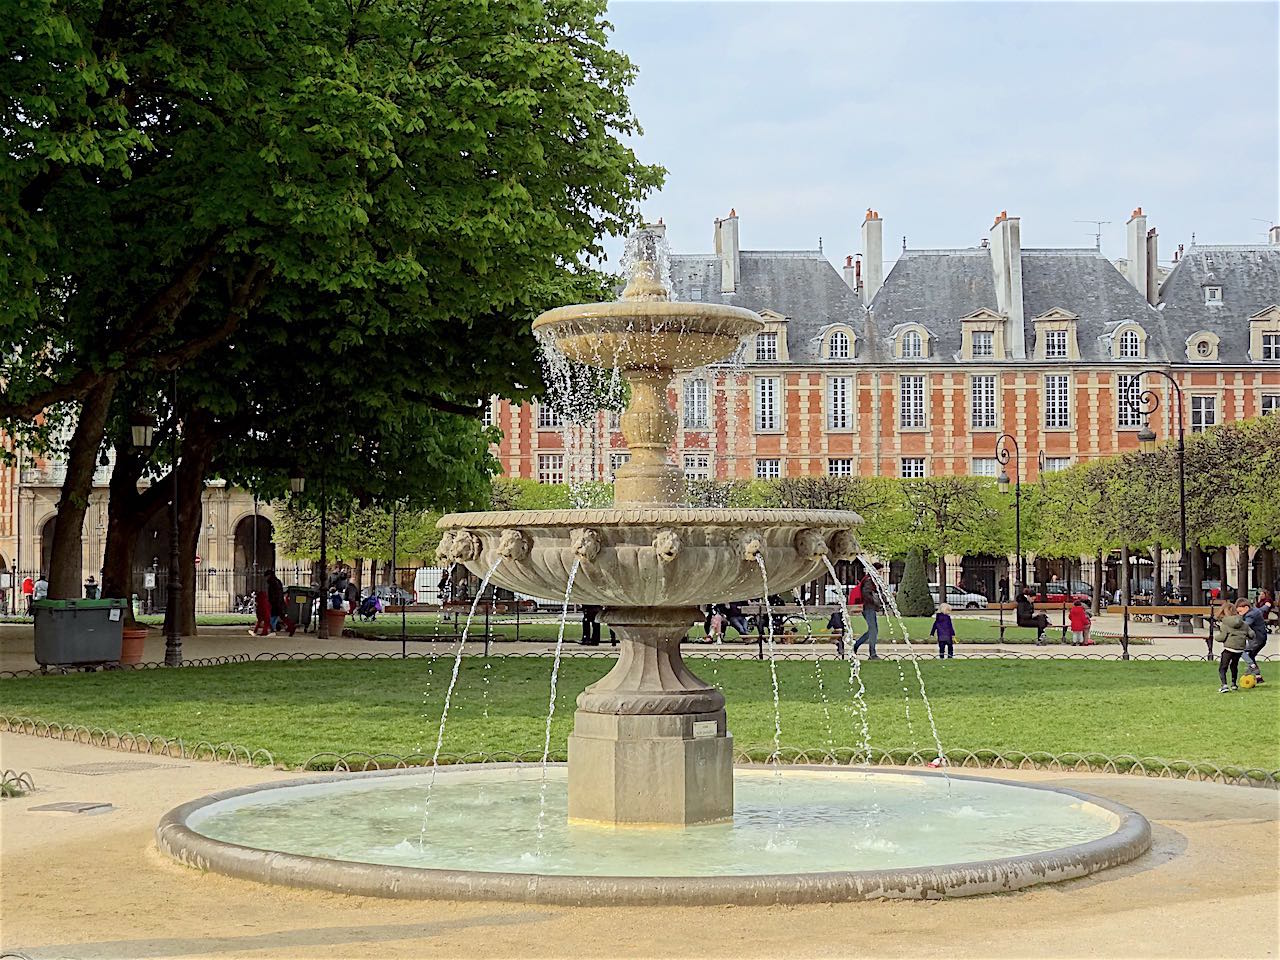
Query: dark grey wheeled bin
[297,603]
[78,633]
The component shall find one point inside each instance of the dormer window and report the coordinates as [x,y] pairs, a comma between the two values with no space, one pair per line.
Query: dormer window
[1130,345]
[1213,296]
[982,336]
[984,344]
[912,345]
[1202,346]
[766,347]
[695,293]
[1055,344]
[1264,335]
[838,346]
[1056,335]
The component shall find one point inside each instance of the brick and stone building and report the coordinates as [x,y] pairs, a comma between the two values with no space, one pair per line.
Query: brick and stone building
[918,372]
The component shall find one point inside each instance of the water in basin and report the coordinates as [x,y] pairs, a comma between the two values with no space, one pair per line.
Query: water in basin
[487,820]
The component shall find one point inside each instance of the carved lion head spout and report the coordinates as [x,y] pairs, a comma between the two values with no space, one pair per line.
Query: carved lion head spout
[513,545]
[748,544]
[666,545]
[810,545]
[458,546]
[586,543]
[844,545]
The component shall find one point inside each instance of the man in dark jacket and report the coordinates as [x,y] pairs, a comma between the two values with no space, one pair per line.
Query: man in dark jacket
[275,597]
[872,604]
[1027,616]
[1256,619]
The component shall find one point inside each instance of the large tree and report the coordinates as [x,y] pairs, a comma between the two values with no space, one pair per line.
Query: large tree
[425,172]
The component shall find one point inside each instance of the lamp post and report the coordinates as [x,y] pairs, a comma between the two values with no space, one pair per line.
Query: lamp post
[173,602]
[1146,402]
[1003,443]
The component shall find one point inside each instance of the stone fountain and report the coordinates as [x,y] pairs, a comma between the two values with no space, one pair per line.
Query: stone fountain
[650,743]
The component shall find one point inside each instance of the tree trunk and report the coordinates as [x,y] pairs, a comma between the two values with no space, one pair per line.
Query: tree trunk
[1157,576]
[66,559]
[196,451]
[1197,576]
[1242,569]
[1222,573]
[942,578]
[128,511]
[1268,568]
[1096,606]
[1126,586]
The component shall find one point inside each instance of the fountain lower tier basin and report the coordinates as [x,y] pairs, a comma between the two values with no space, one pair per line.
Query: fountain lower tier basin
[648,556]
[807,834]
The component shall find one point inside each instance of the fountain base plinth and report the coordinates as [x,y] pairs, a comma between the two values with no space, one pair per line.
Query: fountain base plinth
[650,743]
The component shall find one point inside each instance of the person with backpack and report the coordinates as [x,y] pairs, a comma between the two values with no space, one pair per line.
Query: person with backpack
[1256,619]
[867,593]
[1079,619]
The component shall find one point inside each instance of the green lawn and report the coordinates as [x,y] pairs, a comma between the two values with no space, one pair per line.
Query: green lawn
[968,629]
[1143,708]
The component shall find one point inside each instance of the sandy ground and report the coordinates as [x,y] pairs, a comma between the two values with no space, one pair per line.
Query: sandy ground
[93,886]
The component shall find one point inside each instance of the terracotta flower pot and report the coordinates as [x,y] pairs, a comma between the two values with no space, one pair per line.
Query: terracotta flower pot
[131,644]
[335,619]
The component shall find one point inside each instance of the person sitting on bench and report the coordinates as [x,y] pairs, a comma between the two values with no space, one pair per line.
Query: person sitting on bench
[1027,616]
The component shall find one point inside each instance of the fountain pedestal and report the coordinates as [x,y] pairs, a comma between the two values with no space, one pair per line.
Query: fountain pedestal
[650,743]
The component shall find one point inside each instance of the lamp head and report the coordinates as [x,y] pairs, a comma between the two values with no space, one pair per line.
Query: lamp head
[1003,481]
[1147,439]
[297,484]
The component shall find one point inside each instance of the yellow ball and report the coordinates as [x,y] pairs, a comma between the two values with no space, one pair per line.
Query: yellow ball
[1248,681]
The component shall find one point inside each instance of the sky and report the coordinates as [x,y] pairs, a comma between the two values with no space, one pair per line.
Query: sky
[939,115]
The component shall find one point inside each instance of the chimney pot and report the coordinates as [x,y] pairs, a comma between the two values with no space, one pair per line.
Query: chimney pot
[1273,236]
[848,261]
[733,211]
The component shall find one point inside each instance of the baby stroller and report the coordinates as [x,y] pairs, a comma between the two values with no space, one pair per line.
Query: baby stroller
[369,608]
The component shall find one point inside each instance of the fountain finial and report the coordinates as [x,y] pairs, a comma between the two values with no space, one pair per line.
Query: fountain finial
[644,283]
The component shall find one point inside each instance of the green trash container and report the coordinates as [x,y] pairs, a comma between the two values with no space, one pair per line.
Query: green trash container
[297,603]
[78,633]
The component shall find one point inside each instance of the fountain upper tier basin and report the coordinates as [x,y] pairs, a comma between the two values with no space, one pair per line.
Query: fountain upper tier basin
[647,334]
[649,556]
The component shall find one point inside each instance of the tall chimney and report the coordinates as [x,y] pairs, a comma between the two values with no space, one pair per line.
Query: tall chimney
[873,253]
[1153,274]
[850,274]
[1138,266]
[1006,265]
[1273,236]
[728,252]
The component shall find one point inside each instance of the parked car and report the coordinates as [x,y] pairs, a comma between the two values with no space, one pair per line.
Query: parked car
[1060,591]
[960,599]
[394,595]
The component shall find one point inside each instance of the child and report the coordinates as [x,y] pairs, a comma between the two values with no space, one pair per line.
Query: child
[1236,635]
[262,606]
[1080,621]
[836,625]
[946,633]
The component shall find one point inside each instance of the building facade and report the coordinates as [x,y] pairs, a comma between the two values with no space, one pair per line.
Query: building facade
[917,373]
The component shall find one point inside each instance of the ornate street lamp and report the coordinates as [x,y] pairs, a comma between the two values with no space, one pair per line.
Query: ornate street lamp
[173,602]
[1147,402]
[1003,443]
[297,484]
[143,430]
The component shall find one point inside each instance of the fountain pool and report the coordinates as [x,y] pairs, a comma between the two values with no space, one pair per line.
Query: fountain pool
[844,834]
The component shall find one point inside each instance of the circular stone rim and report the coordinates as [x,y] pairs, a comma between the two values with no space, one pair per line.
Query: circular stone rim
[1130,840]
[621,517]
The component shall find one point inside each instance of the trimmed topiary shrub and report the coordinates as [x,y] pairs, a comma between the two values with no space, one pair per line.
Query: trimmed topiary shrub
[913,593]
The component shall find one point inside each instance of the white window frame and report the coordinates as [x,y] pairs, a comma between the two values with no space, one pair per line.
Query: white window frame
[696,414]
[911,409]
[1208,403]
[1213,296]
[767,346]
[1057,410]
[1269,404]
[988,339]
[549,418]
[912,345]
[489,417]
[840,467]
[916,471]
[984,467]
[695,293]
[1055,464]
[983,404]
[768,468]
[1128,417]
[839,403]
[616,459]
[551,468]
[697,466]
[768,404]
[1130,346]
[1057,344]
[615,421]
[838,345]
[1270,346]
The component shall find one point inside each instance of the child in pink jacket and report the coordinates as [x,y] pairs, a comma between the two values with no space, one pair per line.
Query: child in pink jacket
[1079,620]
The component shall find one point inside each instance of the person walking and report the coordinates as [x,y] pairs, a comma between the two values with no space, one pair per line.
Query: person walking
[91,589]
[1256,619]
[28,590]
[1236,635]
[351,593]
[262,607]
[868,590]
[835,625]
[41,589]
[1079,619]
[1027,616]
[275,599]
[945,631]
[591,625]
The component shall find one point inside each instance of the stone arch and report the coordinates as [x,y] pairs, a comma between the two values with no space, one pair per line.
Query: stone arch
[45,553]
[252,555]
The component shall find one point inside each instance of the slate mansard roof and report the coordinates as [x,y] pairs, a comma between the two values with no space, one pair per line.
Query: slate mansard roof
[936,288]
